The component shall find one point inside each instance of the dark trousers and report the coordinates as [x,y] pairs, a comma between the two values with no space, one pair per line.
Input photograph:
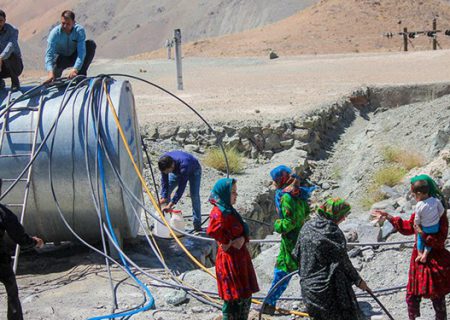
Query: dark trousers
[12,68]
[64,62]
[8,279]
[413,303]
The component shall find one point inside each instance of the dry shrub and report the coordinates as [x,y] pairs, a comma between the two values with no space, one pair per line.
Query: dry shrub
[389,175]
[404,158]
[214,158]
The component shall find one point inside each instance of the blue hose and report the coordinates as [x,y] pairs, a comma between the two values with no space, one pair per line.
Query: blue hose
[151,302]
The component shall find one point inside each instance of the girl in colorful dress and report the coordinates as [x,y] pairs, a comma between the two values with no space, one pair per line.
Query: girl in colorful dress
[291,204]
[429,279]
[236,278]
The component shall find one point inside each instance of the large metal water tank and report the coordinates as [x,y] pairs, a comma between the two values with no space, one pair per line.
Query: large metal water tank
[70,174]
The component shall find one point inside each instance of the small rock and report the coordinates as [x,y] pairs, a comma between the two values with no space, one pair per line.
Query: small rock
[287,143]
[368,255]
[197,309]
[176,298]
[383,205]
[389,192]
[326,186]
[190,148]
[356,251]
[273,55]
[387,230]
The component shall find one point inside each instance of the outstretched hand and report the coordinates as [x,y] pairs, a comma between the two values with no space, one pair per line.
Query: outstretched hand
[379,215]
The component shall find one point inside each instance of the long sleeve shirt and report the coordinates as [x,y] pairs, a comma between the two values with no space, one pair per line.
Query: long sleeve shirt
[61,43]
[185,165]
[10,224]
[9,41]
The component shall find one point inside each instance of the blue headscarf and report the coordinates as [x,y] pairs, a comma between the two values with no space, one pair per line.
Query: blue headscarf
[221,197]
[283,176]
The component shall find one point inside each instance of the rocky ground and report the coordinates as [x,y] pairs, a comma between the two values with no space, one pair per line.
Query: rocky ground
[71,282]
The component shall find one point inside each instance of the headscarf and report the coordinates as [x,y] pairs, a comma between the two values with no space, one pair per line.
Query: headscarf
[432,185]
[221,198]
[286,183]
[334,209]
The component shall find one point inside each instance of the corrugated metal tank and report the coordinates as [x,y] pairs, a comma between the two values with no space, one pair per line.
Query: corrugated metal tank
[69,167]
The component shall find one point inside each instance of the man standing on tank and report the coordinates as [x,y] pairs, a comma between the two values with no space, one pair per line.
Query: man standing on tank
[10,224]
[11,65]
[68,48]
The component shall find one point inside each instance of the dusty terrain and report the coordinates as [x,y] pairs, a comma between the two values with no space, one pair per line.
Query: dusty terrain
[122,28]
[229,89]
[60,284]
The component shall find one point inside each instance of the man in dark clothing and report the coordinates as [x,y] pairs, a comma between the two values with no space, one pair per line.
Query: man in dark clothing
[68,48]
[177,168]
[11,65]
[10,224]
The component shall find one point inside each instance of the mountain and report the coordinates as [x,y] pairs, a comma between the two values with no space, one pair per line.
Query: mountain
[122,28]
[333,26]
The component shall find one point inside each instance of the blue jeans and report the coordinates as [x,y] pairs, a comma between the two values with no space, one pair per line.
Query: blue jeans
[275,295]
[428,230]
[194,188]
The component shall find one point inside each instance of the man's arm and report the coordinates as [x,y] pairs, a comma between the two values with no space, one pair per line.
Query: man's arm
[15,230]
[13,39]
[50,55]
[81,49]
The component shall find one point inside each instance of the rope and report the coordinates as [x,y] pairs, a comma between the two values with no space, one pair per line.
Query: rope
[144,184]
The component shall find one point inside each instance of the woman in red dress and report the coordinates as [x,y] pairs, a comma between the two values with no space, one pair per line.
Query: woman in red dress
[431,279]
[236,278]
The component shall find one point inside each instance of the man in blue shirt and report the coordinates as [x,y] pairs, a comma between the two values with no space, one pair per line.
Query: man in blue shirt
[11,65]
[177,168]
[68,48]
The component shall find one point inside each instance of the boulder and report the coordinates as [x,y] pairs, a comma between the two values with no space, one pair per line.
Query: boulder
[301,135]
[287,143]
[176,297]
[167,132]
[272,142]
[368,233]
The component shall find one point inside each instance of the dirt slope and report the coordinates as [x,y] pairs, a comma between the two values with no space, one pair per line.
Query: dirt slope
[122,28]
[333,26]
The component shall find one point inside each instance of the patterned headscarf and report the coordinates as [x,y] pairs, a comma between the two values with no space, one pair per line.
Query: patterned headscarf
[221,198]
[286,183]
[334,209]
[434,189]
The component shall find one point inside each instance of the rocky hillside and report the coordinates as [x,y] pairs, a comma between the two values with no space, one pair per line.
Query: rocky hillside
[333,26]
[123,28]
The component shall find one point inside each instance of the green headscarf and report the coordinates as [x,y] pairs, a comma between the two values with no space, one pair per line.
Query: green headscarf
[221,197]
[334,209]
[434,189]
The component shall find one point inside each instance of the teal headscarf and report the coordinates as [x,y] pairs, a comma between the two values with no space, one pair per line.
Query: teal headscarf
[434,189]
[221,197]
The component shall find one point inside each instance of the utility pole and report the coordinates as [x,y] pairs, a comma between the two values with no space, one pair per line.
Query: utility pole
[434,34]
[177,37]
[169,45]
[405,39]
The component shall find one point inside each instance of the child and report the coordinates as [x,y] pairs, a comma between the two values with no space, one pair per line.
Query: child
[428,213]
